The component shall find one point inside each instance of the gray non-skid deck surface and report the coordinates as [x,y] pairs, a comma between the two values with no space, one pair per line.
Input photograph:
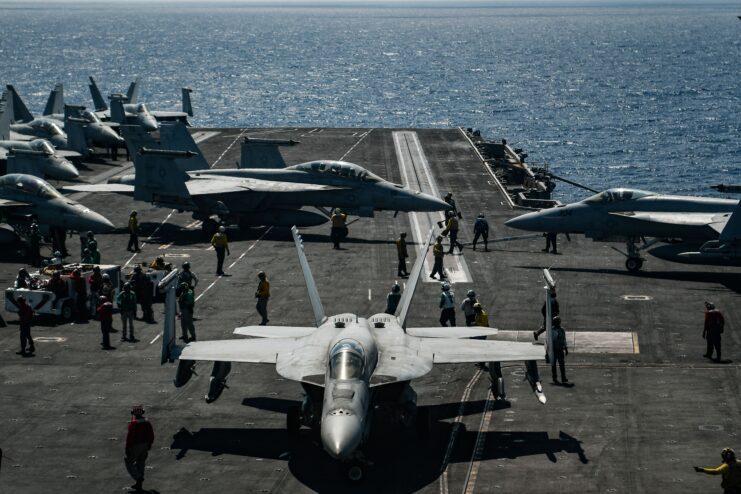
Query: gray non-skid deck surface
[632,422]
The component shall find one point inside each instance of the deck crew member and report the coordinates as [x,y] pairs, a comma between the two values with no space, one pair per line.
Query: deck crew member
[105,315]
[133,227]
[449,199]
[95,282]
[187,302]
[730,469]
[57,286]
[158,263]
[262,294]
[139,441]
[401,251]
[23,280]
[451,230]
[126,301]
[339,227]
[438,254]
[555,311]
[25,313]
[447,305]
[80,285]
[712,330]
[560,350]
[550,239]
[481,229]
[187,276]
[392,299]
[220,244]
[467,307]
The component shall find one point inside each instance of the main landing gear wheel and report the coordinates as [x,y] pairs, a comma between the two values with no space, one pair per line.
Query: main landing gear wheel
[633,264]
[67,311]
[353,471]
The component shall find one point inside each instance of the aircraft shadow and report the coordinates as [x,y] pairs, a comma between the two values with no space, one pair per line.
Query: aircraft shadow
[401,462]
[732,281]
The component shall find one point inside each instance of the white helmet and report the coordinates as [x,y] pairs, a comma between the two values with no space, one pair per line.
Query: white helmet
[445,286]
[222,229]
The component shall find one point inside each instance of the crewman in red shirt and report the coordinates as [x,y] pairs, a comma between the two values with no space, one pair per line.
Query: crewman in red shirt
[712,330]
[105,315]
[138,443]
[25,312]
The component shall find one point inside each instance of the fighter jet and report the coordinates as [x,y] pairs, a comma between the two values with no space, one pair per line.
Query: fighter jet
[180,179]
[25,196]
[139,113]
[630,215]
[355,372]
[57,114]
[47,161]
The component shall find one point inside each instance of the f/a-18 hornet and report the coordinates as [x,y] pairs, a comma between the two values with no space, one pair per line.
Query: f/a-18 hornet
[180,179]
[354,371]
[628,215]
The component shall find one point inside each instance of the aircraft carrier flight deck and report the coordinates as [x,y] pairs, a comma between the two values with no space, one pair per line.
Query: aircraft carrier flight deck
[644,407]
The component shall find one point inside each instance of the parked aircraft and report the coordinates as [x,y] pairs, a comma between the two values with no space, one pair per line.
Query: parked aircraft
[25,196]
[356,372]
[629,215]
[47,161]
[253,197]
[139,113]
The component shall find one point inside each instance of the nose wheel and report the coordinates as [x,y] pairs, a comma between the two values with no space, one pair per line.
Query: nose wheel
[353,471]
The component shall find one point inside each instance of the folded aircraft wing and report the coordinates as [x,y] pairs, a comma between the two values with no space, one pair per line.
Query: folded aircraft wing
[225,185]
[67,154]
[117,188]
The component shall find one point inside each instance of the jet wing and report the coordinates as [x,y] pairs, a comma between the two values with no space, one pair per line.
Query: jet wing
[257,350]
[449,332]
[168,114]
[224,185]
[117,188]
[453,351]
[274,331]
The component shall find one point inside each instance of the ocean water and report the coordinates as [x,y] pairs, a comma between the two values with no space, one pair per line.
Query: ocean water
[640,96]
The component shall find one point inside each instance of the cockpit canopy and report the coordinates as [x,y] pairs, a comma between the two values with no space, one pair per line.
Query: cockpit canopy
[90,116]
[346,360]
[338,168]
[43,146]
[617,195]
[28,185]
[50,127]
[142,108]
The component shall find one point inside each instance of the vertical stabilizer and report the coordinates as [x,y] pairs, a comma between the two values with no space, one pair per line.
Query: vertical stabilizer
[157,177]
[75,129]
[732,231]
[55,103]
[98,102]
[316,303]
[263,153]
[132,94]
[118,114]
[174,135]
[187,106]
[19,112]
[5,115]
[406,297]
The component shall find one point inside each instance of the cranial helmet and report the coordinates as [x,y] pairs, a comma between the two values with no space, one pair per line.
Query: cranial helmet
[90,235]
[709,305]
[471,294]
[222,229]
[186,265]
[481,215]
[57,254]
[445,286]
[557,320]
[395,288]
[477,306]
[728,454]
[137,410]
[102,299]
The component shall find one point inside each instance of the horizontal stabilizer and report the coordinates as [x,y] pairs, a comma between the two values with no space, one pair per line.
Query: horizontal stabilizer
[274,331]
[256,350]
[451,332]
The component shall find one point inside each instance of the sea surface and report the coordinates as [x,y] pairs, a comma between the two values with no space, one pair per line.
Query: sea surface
[636,95]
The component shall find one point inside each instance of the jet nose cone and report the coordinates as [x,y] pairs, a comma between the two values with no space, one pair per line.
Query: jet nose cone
[59,142]
[341,434]
[149,124]
[412,200]
[62,169]
[92,221]
[528,221]
[109,136]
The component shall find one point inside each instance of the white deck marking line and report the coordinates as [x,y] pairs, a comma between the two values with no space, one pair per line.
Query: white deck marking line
[363,136]
[473,467]
[416,175]
[454,432]
[148,238]
[204,136]
[369,293]
[239,136]
[234,263]
[498,184]
[165,246]
[155,338]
